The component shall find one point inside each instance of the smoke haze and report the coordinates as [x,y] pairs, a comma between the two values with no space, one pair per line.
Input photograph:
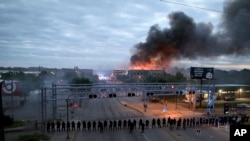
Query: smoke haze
[187,39]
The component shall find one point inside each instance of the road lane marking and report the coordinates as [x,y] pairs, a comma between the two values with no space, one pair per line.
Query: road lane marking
[146,138]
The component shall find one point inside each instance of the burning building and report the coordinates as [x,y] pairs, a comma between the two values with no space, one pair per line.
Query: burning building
[140,75]
[136,75]
[186,39]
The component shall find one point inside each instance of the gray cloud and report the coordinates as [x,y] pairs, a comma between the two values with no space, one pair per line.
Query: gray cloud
[187,39]
[81,33]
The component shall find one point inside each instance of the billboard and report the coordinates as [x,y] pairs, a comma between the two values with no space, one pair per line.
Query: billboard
[11,88]
[201,73]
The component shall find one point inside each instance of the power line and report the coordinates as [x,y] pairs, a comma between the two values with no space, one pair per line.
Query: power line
[191,6]
[217,11]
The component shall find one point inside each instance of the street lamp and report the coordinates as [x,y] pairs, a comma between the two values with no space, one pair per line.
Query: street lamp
[220,93]
[176,101]
[240,92]
[174,90]
[67,100]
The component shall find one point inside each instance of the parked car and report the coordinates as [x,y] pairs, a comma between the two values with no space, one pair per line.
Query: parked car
[229,98]
[191,100]
[154,99]
[243,106]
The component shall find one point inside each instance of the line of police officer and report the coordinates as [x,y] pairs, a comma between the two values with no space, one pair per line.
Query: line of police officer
[114,125]
[93,125]
[171,123]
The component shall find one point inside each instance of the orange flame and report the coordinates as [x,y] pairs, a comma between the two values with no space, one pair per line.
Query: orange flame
[159,61]
[142,67]
[154,64]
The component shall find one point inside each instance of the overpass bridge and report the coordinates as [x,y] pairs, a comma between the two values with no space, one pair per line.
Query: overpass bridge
[68,93]
[59,92]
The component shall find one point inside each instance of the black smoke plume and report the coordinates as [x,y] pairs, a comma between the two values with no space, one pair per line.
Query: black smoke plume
[187,39]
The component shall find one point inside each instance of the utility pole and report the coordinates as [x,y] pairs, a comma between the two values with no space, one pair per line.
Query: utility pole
[67,100]
[42,111]
[12,105]
[201,95]
[2,137]
[54,102]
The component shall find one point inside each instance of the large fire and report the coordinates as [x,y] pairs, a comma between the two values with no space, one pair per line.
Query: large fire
[154,64]
[142,67]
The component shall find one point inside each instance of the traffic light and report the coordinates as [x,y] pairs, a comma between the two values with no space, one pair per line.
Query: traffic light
[191,92]
[179,92]
[75,105]
[112,95]
[92,96]
[131,94]
[226,108]
[150,94]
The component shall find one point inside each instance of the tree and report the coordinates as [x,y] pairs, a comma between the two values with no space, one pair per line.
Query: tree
[177,78]
[81,80]
[77,82]
[155,79]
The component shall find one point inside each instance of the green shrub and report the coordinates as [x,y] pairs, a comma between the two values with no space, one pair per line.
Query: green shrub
[16,123]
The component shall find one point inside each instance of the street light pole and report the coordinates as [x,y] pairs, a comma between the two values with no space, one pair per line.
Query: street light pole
[240,92]
[2,137]
[67,100]
[220,96]
[175,92]
[42,112]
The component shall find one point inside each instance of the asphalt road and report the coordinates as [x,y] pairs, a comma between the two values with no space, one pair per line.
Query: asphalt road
[101,109]
[158,134]
[113,109]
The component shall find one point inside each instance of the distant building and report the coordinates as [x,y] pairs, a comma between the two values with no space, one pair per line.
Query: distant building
[135,75]
[11,93]
[140,75]
[119,72]
[87,73]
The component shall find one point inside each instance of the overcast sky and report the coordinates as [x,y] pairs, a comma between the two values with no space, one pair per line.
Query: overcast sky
[98,34]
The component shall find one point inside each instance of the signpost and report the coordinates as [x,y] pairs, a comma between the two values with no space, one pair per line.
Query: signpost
[201,73]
